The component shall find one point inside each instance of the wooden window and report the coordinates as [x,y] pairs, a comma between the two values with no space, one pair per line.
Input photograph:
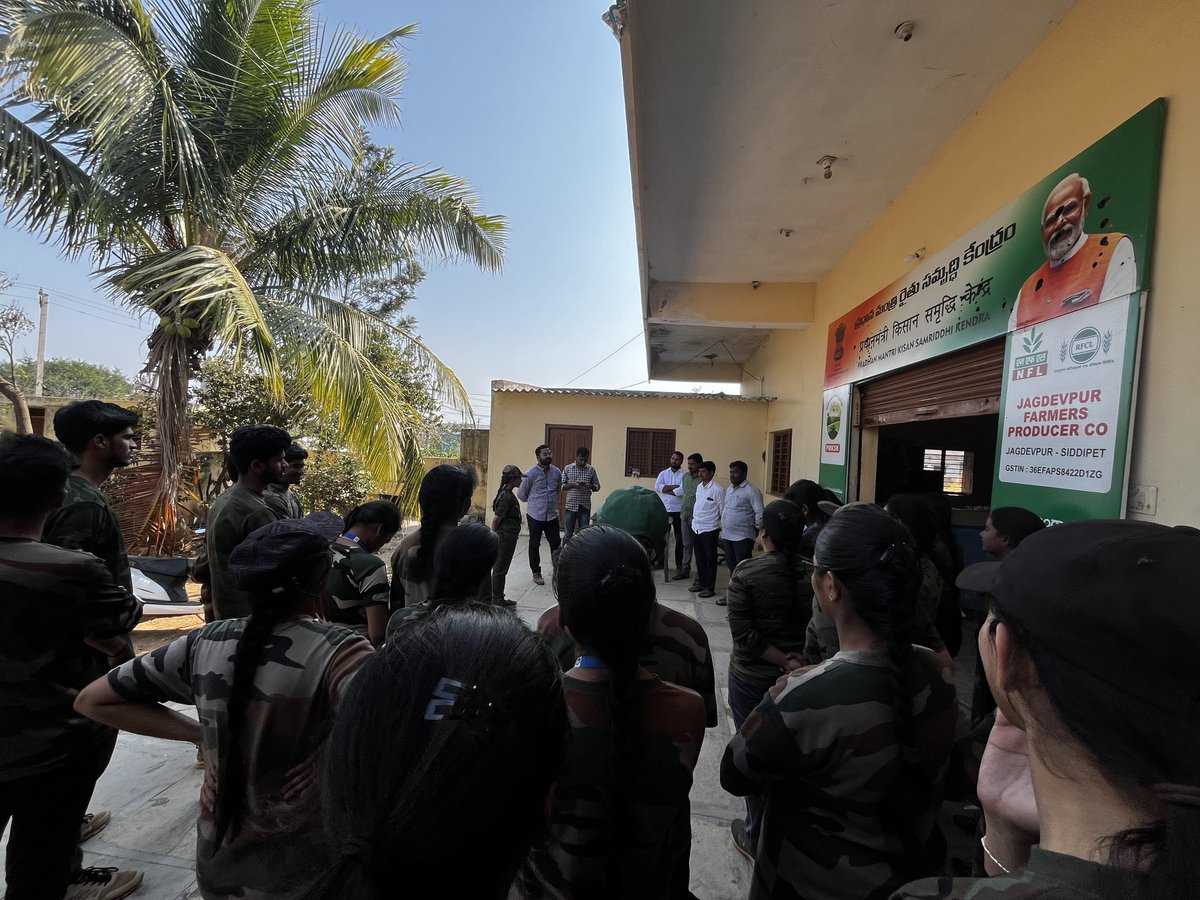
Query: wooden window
[781,461]
[648,451]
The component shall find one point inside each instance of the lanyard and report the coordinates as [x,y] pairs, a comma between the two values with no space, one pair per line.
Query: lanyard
[590,662]
[352,537]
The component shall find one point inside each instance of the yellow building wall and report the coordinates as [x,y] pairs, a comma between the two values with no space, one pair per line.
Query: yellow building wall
[721,430]
[1104,62]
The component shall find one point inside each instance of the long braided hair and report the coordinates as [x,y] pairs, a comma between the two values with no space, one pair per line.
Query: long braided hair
[444,498]
[605,592]
[874,557]
[267,610]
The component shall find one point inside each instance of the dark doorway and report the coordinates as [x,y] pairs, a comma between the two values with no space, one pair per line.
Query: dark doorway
[952,456]
[564,440]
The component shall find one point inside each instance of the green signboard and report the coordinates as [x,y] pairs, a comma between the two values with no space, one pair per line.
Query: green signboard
[1061,271]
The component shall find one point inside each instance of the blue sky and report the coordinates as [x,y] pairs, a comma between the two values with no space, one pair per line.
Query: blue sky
[525,101]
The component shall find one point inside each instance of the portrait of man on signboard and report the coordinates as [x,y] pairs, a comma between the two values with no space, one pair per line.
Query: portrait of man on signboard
[1081,269]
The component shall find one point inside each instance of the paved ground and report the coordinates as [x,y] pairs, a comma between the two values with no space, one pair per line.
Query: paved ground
[151,787]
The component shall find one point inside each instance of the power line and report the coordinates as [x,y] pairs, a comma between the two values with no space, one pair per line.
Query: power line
[610,356]
[680,366]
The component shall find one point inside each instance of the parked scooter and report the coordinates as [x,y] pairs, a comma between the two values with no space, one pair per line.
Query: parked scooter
[161,586]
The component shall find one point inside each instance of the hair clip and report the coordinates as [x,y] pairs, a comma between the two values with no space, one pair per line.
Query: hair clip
[620,575]
[454,700]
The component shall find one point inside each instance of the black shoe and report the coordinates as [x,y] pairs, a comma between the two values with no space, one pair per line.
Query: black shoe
[741,841]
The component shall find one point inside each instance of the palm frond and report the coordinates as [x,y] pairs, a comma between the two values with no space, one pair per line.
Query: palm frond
[374,419]
[202,284]
[44,189]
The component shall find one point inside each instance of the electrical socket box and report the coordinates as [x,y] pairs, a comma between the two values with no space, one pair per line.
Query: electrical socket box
[1143,498]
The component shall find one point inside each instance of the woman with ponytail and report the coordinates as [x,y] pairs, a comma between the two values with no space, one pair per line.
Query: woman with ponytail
[441,759]
[851,753]
[770,599]
[444,498]
[1090,783]
[266,689]
[635,738]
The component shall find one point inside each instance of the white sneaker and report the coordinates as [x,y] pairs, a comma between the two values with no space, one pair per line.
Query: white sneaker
[103,883]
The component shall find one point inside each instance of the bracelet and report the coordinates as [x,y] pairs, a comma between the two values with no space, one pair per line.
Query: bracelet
[999,865]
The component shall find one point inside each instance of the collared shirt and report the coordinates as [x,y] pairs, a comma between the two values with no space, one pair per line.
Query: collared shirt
[539,488]
[689,493]
[673,502]
[576,474]
[707,514]
[741,516]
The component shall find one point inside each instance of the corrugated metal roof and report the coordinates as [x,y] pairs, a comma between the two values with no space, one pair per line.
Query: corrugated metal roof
[516,387]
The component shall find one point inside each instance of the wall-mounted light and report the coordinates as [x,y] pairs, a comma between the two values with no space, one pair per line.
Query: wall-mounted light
[826,162]
[919,253]
[756,284]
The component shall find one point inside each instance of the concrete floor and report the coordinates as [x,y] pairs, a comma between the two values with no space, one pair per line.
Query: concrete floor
[152,789]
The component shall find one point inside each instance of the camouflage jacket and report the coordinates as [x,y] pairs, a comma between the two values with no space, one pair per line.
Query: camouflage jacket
[234,514]
[769,605]
[615,807]
[357,579]
[823,748]
[86,521]
[283,502]
[1048,875]
[281,848]
[677,652]
[821,637]
[50,600]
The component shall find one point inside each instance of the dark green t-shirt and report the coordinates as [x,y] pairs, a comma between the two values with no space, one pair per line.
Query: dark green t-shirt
[86,521]
[50,600]
[508,508]
[233,515]
[285,502]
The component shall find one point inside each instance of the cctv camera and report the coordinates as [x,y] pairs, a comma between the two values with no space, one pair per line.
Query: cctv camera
[904,31]
[756,284]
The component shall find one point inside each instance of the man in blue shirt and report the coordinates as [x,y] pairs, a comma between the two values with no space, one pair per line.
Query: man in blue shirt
[539,490]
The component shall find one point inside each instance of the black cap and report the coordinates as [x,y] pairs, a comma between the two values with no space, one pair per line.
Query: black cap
[1116,599]
[269,556]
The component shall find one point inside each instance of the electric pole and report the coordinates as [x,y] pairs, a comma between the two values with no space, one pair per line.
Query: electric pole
[44,304]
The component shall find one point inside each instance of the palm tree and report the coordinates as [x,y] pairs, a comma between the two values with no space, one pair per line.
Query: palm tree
[205,154]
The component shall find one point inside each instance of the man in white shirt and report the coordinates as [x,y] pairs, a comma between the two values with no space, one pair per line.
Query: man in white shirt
[669,488]
[706,524]
[741,517]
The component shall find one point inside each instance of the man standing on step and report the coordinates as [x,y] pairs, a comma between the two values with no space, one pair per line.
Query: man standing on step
[691,478]
[540,491]
[669,488]
[706,526]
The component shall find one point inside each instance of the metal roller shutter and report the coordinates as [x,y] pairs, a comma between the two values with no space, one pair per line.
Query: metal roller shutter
[966,383]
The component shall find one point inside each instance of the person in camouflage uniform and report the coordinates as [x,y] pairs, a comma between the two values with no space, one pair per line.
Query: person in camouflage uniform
[676,649]
[63,620]
[506,522]
[1090,783]
[266,689]
[256,452]
[101,437]
[768,600]
[280,497]
[461,567]
[357,587]
[635,738]
[851,753]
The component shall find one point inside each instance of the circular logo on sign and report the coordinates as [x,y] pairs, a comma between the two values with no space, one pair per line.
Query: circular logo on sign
[833,418]
[1085,345]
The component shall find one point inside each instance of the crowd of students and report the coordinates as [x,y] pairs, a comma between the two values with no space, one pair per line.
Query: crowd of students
[367,740]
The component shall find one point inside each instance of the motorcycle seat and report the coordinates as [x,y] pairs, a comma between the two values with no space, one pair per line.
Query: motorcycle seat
[169,566]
